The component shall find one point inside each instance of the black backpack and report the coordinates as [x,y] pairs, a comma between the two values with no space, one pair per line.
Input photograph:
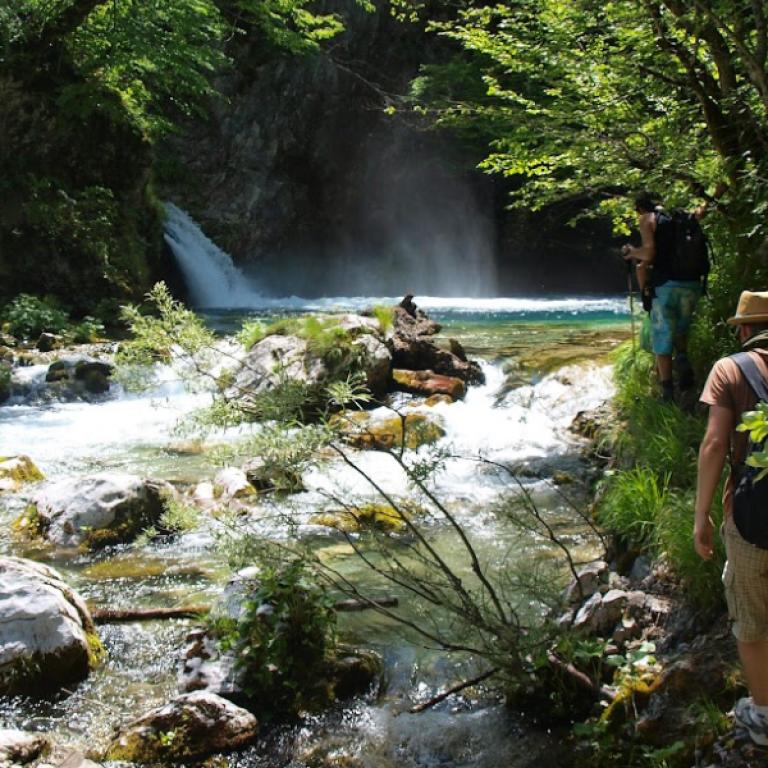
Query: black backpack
[682,251]
[750,496]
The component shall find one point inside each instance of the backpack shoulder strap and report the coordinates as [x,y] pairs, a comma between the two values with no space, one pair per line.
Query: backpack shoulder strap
[751,373]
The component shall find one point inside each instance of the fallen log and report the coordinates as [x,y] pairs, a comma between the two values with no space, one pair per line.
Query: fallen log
[115,616]
[602,692]
[351,605]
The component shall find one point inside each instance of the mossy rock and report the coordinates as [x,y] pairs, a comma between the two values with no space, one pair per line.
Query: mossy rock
[633,697]
[16,471]
[58,371]
[354,672]
[187,729]
[362,431]
[380,517]
[28,525]
[47,636]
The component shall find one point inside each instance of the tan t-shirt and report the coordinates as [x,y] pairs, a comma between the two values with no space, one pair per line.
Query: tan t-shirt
[727,387]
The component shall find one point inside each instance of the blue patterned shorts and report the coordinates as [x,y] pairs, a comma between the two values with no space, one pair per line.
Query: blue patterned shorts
[671,313]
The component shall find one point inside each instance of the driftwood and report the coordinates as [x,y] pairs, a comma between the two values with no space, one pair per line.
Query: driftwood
[450,691]
[352,605]
[114,616]
[602,692]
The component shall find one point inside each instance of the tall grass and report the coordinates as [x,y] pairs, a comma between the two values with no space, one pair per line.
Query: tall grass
[649,499]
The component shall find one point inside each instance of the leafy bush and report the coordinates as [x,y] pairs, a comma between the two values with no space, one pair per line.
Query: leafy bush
[283,640]
[252,332]
[89,329]
[386,317]
[28,316]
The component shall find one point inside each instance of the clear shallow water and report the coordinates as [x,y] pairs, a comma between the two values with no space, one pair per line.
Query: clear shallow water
[515,419]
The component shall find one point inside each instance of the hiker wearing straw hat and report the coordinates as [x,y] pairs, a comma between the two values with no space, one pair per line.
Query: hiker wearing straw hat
[734,386]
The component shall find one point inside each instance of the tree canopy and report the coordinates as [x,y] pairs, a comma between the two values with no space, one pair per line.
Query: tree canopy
[590,99]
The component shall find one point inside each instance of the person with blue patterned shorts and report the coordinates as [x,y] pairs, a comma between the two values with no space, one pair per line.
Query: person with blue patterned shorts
[671,301]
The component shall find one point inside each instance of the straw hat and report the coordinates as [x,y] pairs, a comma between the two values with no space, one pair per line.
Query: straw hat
[752,308]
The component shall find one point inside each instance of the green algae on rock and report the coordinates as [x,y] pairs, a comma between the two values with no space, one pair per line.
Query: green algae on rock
[362,430]
[16,471]
[189,728]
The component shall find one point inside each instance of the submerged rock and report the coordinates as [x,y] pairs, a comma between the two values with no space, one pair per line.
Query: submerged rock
[187,729]
[96,511]
[366,431]
[428,383]
[47,636]
[16,471]
[19,747]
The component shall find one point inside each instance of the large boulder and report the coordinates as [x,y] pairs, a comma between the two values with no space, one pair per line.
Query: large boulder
[413,349]
[16,471]
[96,511]
[189,728]
[47,636]
[409,320]
[417,353]
[279,358]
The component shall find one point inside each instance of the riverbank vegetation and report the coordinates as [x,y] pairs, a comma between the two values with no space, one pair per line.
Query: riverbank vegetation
[87,89]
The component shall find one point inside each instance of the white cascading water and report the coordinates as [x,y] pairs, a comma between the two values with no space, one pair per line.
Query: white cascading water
[211,276]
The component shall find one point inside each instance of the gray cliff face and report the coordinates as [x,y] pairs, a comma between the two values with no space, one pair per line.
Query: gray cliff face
[301,176]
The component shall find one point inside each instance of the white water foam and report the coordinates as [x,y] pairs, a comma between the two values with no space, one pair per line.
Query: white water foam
[531,422]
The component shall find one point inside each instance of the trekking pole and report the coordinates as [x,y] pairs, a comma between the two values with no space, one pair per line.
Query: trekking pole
[631,308]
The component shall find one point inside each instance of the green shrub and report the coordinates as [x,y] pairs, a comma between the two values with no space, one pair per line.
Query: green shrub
[28,316]
[649,500]
[650,433]
[252,332]
[88,330]
[386,317]
[283,641]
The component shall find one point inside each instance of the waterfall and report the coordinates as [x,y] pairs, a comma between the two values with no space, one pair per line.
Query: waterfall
[212,278]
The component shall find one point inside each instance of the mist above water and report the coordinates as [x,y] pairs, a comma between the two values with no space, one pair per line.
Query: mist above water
[411,220]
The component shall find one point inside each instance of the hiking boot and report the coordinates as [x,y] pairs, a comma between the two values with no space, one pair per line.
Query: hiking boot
[667,391]
[745,715]
[684,372]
